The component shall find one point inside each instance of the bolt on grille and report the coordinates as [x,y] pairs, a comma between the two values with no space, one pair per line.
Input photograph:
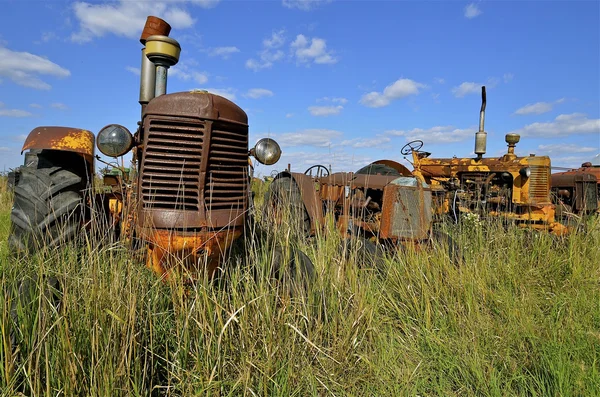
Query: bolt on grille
[539,184]
[227,174]
[171,165]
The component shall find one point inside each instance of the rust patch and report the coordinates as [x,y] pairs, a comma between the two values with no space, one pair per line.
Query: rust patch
[194,253]
[311,200]
[61,138]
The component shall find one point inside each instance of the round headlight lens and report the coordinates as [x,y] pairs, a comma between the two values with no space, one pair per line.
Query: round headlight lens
[114,140]
[267,151]
[525,172]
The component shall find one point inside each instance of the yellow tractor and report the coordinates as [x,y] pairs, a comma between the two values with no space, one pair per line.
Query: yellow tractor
[187,194]
[514,188]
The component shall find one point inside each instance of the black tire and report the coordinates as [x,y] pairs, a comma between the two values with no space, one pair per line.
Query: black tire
[293,269]
[283,202]
[48,208]
[443,240]
[366,253]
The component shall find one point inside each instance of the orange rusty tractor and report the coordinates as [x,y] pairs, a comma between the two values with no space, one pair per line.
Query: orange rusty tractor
[381,204]
[187,195]
[514,188]
[577,191]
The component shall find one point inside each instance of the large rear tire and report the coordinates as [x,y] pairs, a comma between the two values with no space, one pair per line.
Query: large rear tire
[48,208]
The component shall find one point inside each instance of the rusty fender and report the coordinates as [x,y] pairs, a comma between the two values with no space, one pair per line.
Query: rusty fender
[62,138]
[310,197]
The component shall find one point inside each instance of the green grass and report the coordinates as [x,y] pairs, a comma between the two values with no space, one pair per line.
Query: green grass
[521,316]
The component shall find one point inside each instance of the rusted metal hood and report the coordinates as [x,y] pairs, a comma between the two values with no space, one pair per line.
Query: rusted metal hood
[200,104]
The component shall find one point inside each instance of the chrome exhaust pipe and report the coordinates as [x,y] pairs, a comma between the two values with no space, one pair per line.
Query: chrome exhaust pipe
[481,135]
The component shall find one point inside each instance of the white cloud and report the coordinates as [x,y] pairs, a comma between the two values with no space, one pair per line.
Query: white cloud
[562,126]
[256,93]
[5,149]
[399,89]
[435,135]
[288,115]
[313,50]
[325,110]
[228,93]
[59,106]
[23,67]
[127,18]
[538,107]
[472,11]
[13,112]
[318,137]
[439,80]
[276,40]
[304,5]
[133,70]
[183,71]
[466,88]
[377,141]
[339,160]
[343,101]
[48,36]
[508,77]
[562,148]
[35,105]
[270,52]
[20,138]
[223,52]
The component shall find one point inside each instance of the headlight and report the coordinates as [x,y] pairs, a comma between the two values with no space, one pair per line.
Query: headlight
[525,172]
[266,151]
[114,140]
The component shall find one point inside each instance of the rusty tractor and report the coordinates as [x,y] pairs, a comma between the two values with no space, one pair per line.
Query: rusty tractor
[187,194]
[517,189]
[577,191]
[382,205]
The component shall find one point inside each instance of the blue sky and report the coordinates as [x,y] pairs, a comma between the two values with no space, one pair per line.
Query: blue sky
[335,82]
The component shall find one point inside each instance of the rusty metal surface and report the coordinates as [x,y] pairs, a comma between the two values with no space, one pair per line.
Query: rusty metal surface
[194,169]
[197,104]
[402,170]
[311,199]
[570,178]
[371,181]
[406,213]
[578,190]
[193,254]
[154,26]
[61,138]
[337,179]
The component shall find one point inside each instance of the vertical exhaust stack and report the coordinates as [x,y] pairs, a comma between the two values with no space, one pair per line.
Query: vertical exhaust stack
[163,52]
[153,26]
[481,135]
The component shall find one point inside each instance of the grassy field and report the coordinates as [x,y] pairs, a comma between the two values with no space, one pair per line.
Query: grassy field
[520,316]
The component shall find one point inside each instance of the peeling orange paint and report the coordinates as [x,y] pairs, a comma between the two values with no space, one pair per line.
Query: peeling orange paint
[61,138]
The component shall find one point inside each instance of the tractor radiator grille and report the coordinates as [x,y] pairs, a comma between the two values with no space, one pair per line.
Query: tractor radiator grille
[227,174]
[539,184]
[171,165]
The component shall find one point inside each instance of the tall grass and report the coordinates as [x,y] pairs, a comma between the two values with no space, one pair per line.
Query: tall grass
[520,316]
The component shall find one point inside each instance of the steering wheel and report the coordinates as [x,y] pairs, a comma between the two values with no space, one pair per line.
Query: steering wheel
[320,171]
[412,146]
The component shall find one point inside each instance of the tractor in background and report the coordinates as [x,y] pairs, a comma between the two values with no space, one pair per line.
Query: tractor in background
[516,189]
[577,191]
[382,204]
